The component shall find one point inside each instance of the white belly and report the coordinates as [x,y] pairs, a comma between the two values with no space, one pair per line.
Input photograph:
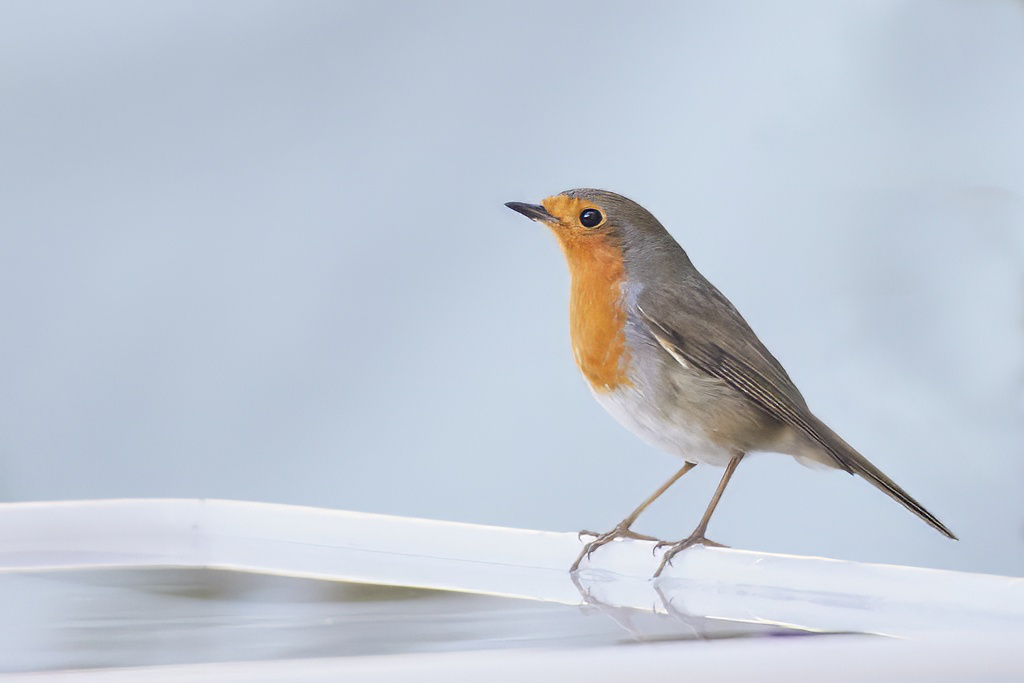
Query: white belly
[669,428]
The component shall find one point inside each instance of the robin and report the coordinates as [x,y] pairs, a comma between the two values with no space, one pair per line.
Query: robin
[674,362]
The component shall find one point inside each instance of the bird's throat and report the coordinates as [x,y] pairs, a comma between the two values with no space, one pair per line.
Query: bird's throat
[597,316]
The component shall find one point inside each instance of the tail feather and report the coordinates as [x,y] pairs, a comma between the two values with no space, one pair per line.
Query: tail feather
[858,464]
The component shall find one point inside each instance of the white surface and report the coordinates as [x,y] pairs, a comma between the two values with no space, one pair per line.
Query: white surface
[809,593]
[800,660]
[258,250]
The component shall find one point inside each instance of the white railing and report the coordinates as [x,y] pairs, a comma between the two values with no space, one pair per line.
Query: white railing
[804,592]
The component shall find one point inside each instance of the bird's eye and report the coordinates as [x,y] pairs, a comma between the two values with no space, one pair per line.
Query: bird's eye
[590,217]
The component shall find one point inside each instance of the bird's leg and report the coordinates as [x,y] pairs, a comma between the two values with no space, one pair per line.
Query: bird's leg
[622,529]
[697,537]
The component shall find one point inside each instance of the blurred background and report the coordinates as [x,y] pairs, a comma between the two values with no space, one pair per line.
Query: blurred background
[257,250]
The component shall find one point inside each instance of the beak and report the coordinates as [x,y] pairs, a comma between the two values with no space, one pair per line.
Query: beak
[534,212]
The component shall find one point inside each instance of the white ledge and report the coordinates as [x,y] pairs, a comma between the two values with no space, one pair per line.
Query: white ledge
[805,592]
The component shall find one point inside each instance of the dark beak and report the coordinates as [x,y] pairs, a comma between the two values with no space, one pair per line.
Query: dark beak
[532,211]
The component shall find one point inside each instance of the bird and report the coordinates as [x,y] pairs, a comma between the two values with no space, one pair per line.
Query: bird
[672,360]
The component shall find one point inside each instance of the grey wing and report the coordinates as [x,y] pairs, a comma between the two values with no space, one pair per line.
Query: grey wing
[742,362]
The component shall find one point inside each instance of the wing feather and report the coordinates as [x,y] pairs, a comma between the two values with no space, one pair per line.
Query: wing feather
[769,387]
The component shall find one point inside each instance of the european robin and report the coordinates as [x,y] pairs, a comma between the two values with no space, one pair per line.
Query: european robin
[673,361]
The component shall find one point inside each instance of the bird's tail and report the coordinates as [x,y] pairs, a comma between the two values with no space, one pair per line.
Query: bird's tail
[858,464]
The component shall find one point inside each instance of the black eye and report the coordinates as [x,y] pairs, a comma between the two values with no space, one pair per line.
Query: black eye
[590,217]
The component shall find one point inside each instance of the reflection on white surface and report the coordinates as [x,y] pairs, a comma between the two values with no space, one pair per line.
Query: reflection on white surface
[380,549]
[99,618]
[67,586]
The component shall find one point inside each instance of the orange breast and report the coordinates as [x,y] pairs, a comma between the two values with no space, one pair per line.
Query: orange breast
[597,319]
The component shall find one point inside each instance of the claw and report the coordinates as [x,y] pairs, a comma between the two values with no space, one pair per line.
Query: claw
[619,531]
[694,539]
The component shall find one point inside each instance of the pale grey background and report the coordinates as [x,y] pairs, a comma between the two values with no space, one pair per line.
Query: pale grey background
[258,250]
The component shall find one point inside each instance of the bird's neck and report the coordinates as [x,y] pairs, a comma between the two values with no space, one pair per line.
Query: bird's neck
[597,315]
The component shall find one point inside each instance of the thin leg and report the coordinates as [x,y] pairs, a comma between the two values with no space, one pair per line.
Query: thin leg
[697,537]
[622,529]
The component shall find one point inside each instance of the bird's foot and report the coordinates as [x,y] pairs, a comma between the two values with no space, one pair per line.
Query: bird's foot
[620,531]
[696,538]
